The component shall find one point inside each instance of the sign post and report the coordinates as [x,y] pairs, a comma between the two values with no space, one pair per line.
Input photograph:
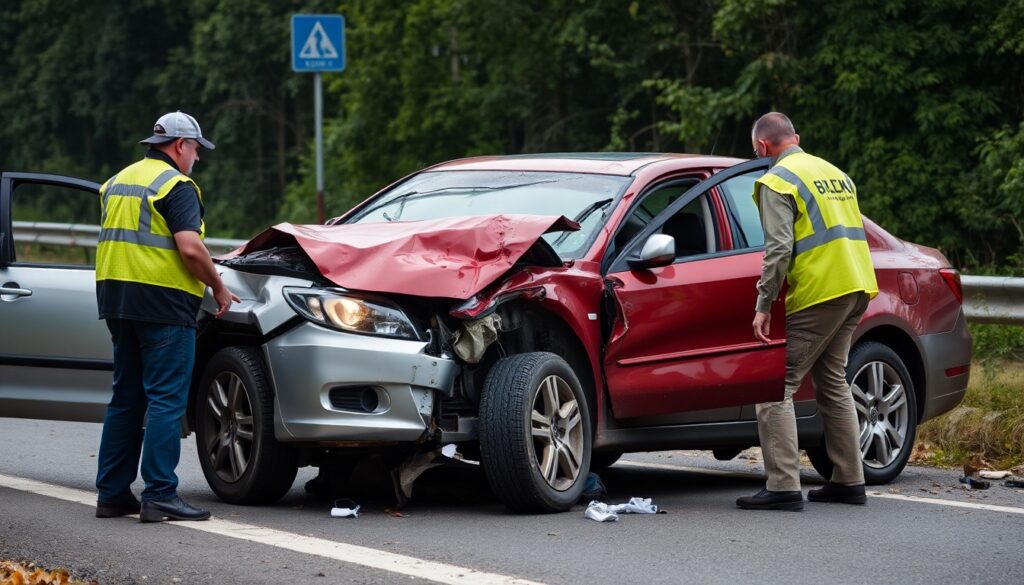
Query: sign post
[318,45]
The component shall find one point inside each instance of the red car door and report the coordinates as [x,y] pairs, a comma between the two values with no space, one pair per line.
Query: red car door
[683,339]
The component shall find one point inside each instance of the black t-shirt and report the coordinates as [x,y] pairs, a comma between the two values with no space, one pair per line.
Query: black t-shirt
[147,302]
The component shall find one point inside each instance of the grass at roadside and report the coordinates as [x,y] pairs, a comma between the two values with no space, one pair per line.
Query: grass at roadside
[988,427]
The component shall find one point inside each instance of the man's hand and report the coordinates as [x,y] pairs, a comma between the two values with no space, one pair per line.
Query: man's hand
[762,323]
[224,298]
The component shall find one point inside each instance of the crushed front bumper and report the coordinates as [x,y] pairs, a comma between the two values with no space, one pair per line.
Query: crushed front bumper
[310,362]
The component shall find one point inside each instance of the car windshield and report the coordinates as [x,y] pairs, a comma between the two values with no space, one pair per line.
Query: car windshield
[585,198]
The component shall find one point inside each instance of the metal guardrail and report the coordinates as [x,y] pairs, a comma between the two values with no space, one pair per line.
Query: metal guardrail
[86,235]
[993,299]
[987,299]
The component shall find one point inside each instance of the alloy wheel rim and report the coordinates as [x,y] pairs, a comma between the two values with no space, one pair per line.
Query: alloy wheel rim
[883,413]
[229,427]
[556,427]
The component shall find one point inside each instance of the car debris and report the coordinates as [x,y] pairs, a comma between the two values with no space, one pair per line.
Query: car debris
[975,483]
[990,474]
[405,475]
[602,512]
[344,508]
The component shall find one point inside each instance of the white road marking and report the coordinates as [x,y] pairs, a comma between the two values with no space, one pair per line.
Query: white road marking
[874,494]
[953,503]
[346,553]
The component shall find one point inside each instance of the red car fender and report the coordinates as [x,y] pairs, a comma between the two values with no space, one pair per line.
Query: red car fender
[572,294]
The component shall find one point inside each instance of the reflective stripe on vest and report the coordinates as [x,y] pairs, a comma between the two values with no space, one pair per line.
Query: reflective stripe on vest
[143,235]
[822,234]
[135,242]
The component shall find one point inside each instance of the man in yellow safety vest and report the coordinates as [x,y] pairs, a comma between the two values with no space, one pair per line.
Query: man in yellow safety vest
[152,270]
[814,238]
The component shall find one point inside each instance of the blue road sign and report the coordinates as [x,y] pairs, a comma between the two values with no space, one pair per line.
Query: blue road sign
[318,42]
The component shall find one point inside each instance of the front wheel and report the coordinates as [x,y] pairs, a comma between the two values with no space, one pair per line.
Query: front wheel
[535,434]
[241,459]
[883,395]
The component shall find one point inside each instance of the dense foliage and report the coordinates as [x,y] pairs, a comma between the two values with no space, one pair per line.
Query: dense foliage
[921,101]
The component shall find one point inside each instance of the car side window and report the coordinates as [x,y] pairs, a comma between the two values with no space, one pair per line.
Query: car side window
[650,206]
[692,228]
[54,225]
[744,217]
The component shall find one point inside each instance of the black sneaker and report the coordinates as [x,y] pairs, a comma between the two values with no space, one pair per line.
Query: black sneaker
[767,500]
[122,505]
[171,509]
[842,494]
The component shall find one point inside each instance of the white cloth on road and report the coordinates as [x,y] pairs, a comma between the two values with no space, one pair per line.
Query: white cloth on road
[602,512]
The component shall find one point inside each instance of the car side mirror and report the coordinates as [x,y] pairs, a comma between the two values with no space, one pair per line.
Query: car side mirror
[659,250]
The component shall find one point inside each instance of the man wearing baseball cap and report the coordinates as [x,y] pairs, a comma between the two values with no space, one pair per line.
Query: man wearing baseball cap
[152,270]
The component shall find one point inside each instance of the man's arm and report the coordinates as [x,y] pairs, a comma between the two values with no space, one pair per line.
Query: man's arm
[778,213]
[184,215]
[197,259]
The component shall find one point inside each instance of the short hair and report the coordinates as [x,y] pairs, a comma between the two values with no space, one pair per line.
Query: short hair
[773,127]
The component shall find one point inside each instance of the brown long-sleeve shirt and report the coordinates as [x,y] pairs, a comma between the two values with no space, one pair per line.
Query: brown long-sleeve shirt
[778,216]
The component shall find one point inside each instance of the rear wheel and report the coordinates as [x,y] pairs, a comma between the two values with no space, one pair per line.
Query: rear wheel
[241,459]
[883,394]
[535,433]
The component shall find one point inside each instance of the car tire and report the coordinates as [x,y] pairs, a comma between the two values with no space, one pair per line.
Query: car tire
[601,460]
[535,433]
[241,459]
[886,413]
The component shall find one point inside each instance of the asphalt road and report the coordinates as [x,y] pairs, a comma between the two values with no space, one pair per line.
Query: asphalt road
[924,528]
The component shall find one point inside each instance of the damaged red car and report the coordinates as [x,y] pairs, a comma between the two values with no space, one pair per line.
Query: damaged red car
[547,313]
[542,315]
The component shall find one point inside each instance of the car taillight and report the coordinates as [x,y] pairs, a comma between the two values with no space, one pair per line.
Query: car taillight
[952,278]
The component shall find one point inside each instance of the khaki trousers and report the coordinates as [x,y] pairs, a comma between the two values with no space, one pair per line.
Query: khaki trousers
[817,341]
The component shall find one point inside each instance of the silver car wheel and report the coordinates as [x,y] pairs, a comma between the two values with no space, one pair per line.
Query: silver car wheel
[883,415]
[229,427]
[557,430]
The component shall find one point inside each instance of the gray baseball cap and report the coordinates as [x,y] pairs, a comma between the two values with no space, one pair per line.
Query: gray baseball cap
[176,125]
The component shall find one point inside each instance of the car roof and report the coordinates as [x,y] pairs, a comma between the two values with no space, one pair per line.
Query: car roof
[605,163]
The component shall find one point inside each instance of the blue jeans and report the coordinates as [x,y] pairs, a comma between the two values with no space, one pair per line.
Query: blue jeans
[152,375]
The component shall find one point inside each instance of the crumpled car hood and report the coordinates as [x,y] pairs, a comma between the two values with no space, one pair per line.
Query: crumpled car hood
[454,257]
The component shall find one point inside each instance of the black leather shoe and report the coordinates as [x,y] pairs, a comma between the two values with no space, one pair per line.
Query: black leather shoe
[122,505]
[766,500]
[843,494]
[172,509]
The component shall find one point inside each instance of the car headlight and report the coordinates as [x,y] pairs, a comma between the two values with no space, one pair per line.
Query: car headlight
[347,312]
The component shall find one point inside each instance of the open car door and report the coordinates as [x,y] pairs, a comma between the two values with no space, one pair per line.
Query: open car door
[55,353]
[683,339]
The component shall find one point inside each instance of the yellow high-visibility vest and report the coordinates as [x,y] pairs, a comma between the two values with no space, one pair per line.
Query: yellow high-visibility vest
[135,244]
[830,250]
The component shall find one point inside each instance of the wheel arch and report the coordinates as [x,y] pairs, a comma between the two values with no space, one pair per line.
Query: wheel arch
[211,337]
[905,347]
[544,330]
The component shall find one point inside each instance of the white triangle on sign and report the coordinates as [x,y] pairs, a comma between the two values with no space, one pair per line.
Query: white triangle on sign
[318,45]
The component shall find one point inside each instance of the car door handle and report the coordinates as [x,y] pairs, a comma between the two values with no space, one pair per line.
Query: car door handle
[17,292]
